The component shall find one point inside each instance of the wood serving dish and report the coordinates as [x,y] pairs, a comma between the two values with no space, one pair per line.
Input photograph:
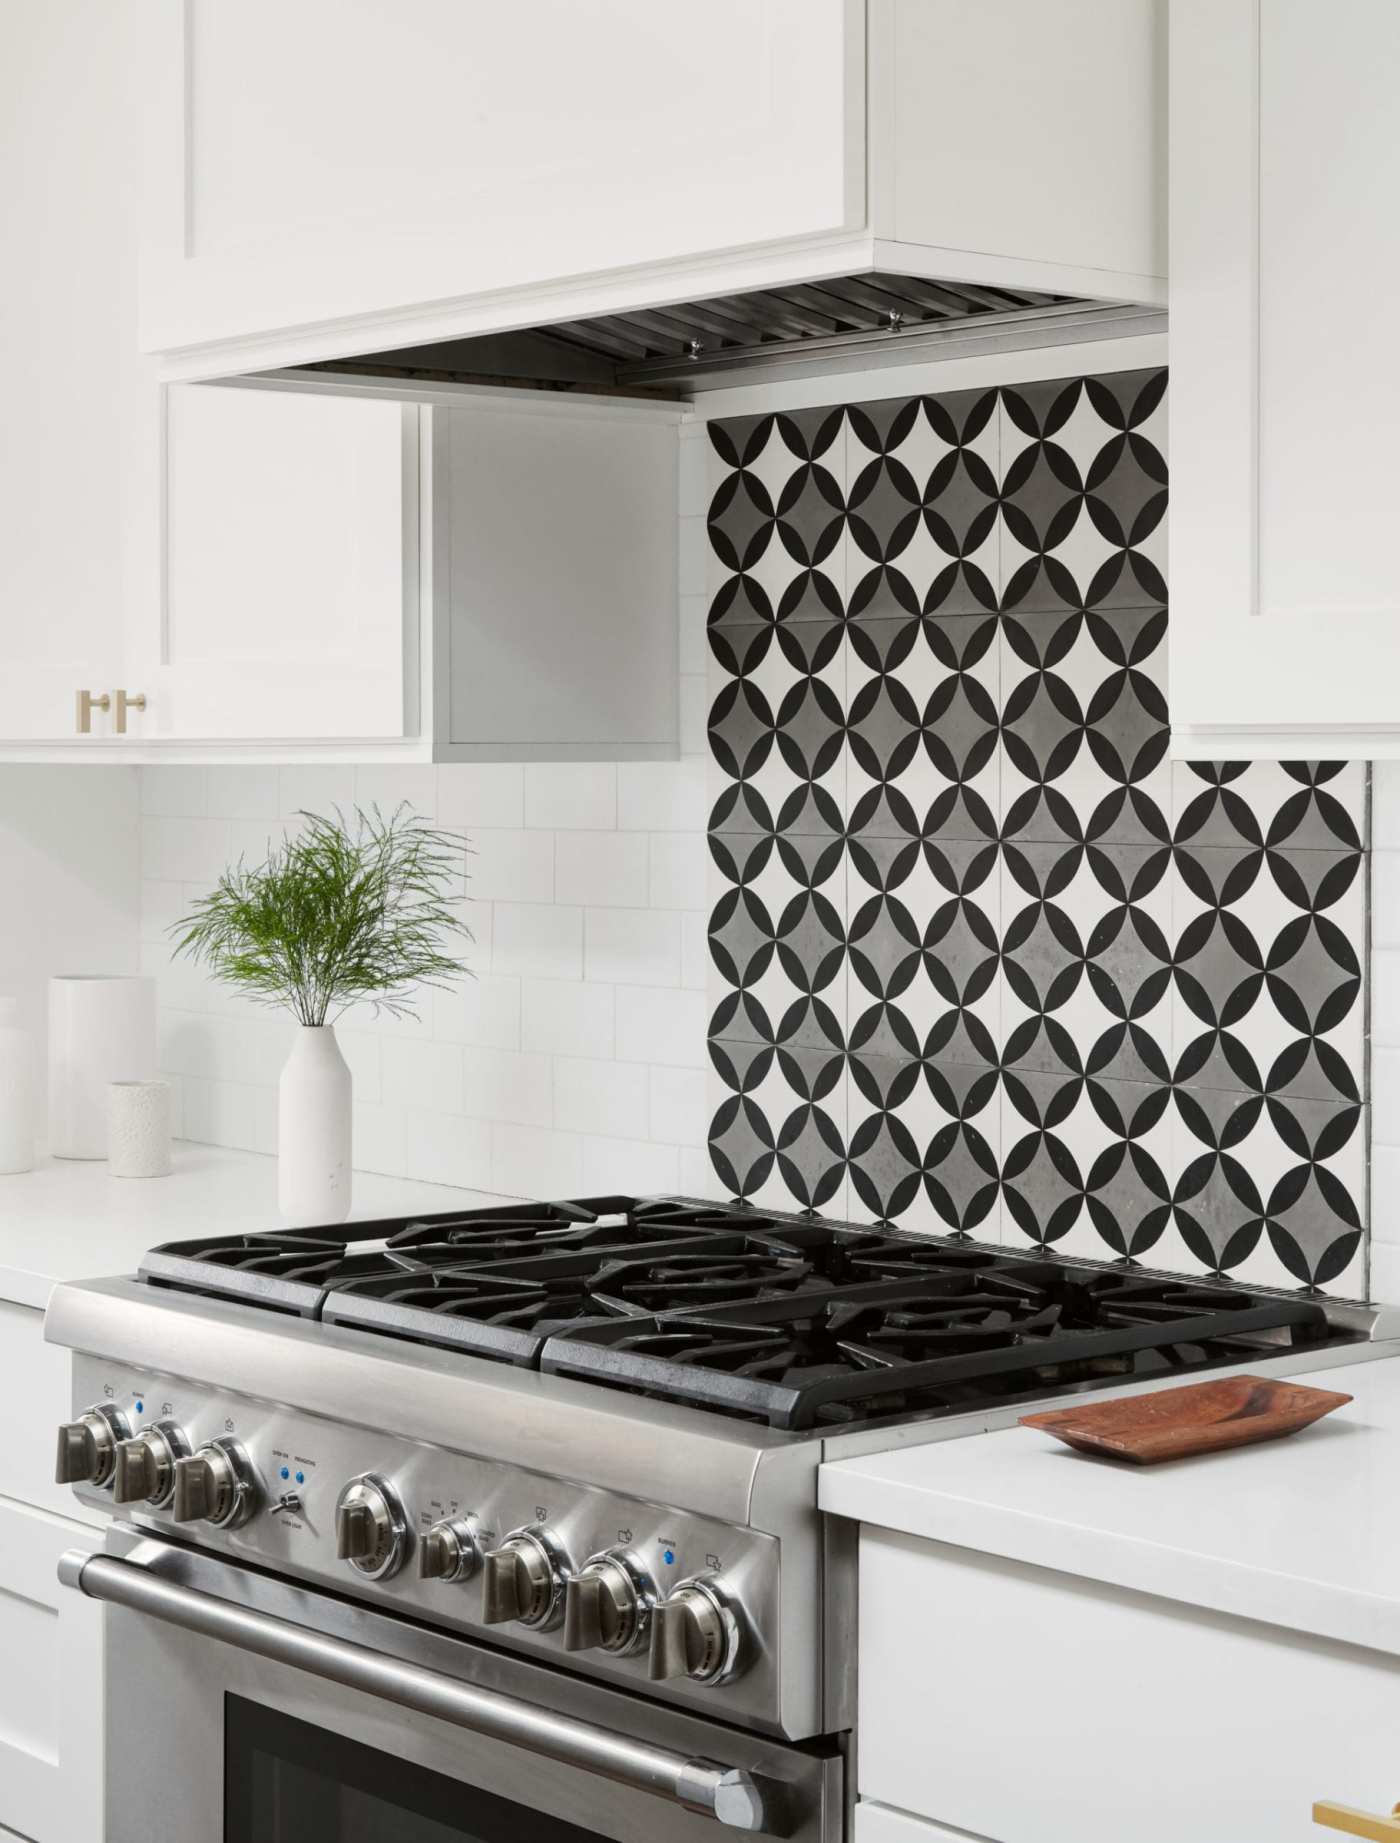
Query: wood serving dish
[1203,1417]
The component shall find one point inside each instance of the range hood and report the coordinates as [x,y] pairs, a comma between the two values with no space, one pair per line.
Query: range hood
[677,349]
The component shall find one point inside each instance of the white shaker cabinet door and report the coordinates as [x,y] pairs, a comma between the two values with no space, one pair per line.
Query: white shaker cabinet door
[1285,391]
[338,159]
[290,572]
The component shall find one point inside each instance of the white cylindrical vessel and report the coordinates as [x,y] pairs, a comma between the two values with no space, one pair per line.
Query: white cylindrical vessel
[18,1080]
[101,1030]
[138,1128]
[313,1130]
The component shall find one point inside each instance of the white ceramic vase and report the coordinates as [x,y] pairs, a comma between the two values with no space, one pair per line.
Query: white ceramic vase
[101,1030]
[313,1130]
[138,1129]
[17,1084]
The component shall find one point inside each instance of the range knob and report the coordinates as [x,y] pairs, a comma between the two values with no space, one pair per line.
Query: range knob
[87,1447]
[448,1551]
[371,1530]
[608,1605]
[524,1580]
[145,1467]
[216,1484]
[695,1632]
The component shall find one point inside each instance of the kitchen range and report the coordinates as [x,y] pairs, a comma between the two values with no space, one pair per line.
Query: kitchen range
[546,1475]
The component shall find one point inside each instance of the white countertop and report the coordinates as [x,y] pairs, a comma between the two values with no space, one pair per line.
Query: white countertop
[1299,1532]
[69,1220]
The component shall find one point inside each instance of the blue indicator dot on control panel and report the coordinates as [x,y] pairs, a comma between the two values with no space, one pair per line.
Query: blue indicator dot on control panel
[140,1407]
[285,1472]
[669,1557]
[301,1478]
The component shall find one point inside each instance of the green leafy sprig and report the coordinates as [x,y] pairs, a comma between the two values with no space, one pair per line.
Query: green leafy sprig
[338,915]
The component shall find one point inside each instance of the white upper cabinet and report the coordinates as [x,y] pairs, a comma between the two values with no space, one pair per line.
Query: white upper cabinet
[1285,576]
[338,177]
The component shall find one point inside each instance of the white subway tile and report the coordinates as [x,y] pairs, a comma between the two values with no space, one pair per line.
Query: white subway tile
[512,866]
[364,1056]
[531,1161]
[695,950]
[601,869]
[534,941]
[566,1017]
[1385,1096]
[174,792]
[592,1096]
[444,1148]
[571,795]
[694,637]
[678,1108]
[679,870]
[254,840]
[265,1121]
[475,794]
[1385,899]
[1385,806]
[1385,1196]
[661,1027]
[698,1175]
[1385,997]
[695,712]
[484,1011]
[1384,1288]
[661,796]
[184,850]
[390,785]
[163,904]
[219,1113]
[244,792]
[379,1140]
[628,1165]
[693,477]
[693,553]
[508,1086]
[421,1073]
[633,946]
[304,788]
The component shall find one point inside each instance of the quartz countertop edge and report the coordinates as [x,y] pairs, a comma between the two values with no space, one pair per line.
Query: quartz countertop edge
[1297,1532]
[69,1219]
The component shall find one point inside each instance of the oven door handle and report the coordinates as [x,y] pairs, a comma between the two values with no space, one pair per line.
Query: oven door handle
[741,1800]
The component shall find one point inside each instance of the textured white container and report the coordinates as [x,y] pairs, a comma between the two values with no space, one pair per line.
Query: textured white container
[138,1128]
[18,1081]
[313,1130]
[101,1030]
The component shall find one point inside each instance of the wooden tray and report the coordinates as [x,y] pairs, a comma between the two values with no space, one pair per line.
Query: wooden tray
[1204,1417]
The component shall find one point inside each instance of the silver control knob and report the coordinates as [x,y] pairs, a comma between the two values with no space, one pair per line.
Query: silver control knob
[371,1531]
[215,1485]
[448,1551]
[523,1580]
[608,1605]
[145,1467]
[695,1633]
[87,1447]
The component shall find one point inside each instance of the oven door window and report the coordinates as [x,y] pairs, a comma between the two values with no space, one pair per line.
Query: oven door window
[288,1781]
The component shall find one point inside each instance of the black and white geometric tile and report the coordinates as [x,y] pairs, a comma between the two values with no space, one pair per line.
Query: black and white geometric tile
[984,960]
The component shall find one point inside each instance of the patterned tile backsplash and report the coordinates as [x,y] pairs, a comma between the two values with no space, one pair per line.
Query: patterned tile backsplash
[983,958]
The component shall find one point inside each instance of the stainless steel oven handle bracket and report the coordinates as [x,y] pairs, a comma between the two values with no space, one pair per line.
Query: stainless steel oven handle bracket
[737,1799]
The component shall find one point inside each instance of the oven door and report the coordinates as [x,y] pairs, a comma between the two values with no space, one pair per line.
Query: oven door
[243,1709]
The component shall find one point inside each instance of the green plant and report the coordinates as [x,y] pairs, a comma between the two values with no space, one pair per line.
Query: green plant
[337,915]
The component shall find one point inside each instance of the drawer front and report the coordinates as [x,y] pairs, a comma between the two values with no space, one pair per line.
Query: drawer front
[879,1824]
[1033,1707]
[35,1395]
[50,1686]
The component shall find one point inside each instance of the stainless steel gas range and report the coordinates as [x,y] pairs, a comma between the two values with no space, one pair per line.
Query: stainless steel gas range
[503,1525]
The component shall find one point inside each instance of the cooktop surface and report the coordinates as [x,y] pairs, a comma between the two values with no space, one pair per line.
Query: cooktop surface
[797,1322]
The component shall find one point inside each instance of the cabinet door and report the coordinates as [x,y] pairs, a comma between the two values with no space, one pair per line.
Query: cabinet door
[50,1686]
[1285,575]
[339,159]
[290,589]
[555,583]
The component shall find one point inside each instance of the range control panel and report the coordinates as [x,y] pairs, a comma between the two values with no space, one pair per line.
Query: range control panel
[622,1588]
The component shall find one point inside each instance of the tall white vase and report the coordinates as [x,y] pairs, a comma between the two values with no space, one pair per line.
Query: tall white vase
[17,1082]
[313,1130]
[101,1030]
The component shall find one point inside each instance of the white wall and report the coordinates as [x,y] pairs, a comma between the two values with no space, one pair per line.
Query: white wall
[575,1059]
[70,893]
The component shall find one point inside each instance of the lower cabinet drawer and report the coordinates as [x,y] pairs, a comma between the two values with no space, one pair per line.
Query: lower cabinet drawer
[34,1398]
[50,1684]
[878,1824]
[1031,1707]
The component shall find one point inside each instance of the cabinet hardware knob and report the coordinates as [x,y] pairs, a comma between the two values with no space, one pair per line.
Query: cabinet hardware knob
[87,703]
[126,702]
[1358,1823]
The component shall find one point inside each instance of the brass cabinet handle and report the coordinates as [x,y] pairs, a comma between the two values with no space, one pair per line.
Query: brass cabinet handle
[126,702]
[1357,1823]
[87,703]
